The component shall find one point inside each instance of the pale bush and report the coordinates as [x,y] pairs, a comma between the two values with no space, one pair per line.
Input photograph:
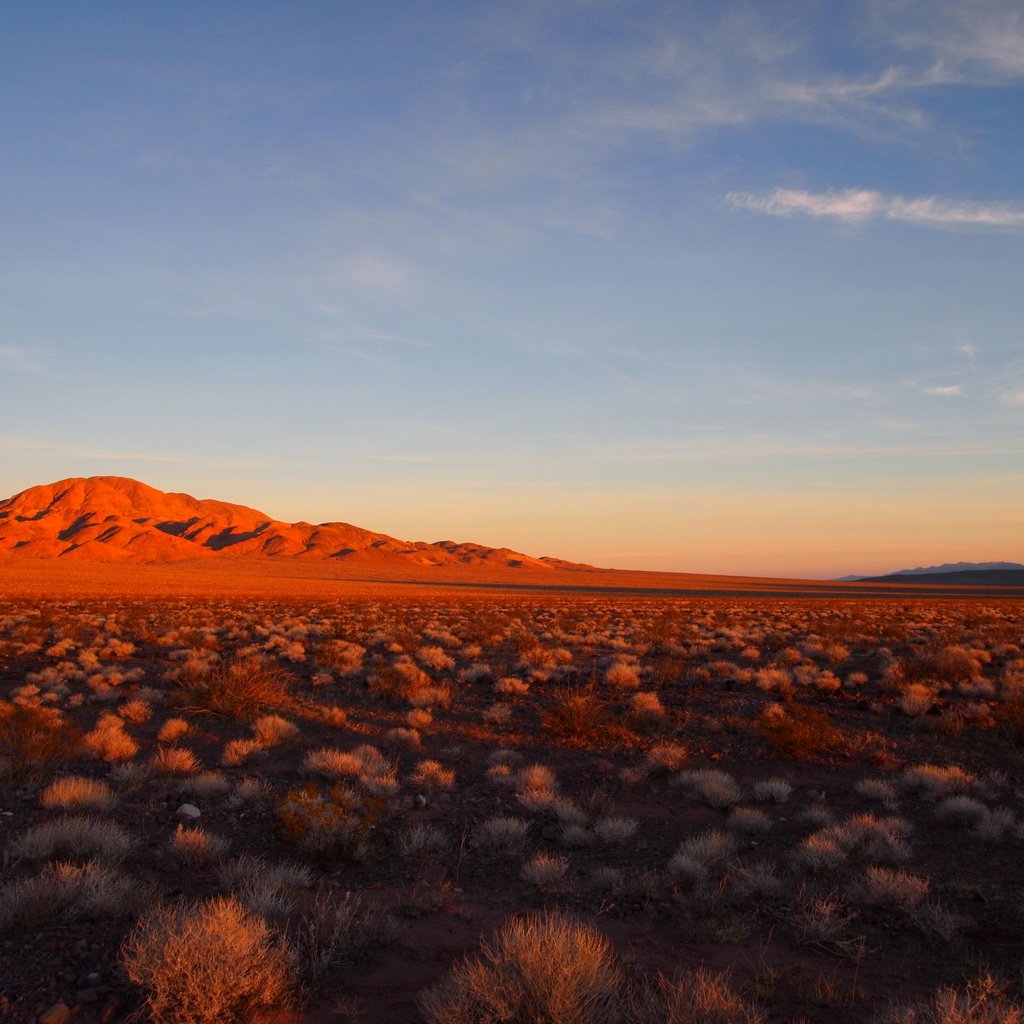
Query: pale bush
[73,792]
[75,837]
[501,834]
[696,856]
[747,821]
[962,811]
[210,963]
[208,784]
[69,891]
[615,829]
[421,840]
[542,968]
[545,870]
[694,997]
[877,789]
[884,887]
[935,781]
[772,791]
[713,787]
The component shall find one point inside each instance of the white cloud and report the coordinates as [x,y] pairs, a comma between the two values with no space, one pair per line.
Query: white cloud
[855,205]
[13,358]
[1013,397]
[969,349]
[379,273]
[943,391]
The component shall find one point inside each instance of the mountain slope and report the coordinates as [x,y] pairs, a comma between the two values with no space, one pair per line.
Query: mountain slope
[116,519]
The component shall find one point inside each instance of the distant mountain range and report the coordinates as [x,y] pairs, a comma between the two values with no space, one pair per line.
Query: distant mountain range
[115,519]
[987,573]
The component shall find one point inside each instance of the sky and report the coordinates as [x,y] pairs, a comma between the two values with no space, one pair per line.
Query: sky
[710,287]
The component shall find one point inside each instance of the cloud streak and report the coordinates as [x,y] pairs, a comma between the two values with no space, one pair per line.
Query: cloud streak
[860,205]
[14,358]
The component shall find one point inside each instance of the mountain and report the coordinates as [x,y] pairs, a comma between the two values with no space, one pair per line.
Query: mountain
[1000,573]
[115,519]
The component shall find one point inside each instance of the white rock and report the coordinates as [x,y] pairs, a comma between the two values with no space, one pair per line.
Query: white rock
[188,811]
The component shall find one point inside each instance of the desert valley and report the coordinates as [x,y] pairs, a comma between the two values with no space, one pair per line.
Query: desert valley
[267,771]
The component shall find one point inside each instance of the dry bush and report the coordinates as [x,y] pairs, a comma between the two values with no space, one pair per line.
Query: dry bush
[175,761]
[76,838]
[696,856]
[797,731]
[239,751]
[432,775]
[1012,719]
[273,730]
[883,887]
[772,790]
[32,738]
[980,1002]
[935,781]
[195,847]
[108,741]
[336,934]
[135,711]
[173,729]
[64,890]
[421,841]
[615,829]
[76,792]
[545,969]
[711,786]
[545,870]
[916,700]
[501,834]
[209,963]
[666,757]
[340,821]
[577,716]
[246,688]
[748,821]
[694,997]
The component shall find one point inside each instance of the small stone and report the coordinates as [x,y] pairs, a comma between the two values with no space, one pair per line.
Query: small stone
[421,801]
[189,811]
[59,1013]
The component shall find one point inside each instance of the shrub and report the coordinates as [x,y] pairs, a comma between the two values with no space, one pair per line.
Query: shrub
[667,757]
[75,837]
[501,834]
[195,847]
[577,716]
[797,731]
[175,761]
[544,969]
[980,1002]
[695,997]
[74,791]
[883,887]
[210,963]
[713,787]
[775,790]
[108,741]
[68,890]
[32,738]
[545,870]
[273,730]
[173,729]
[336,934]
[246,688]
[432,775]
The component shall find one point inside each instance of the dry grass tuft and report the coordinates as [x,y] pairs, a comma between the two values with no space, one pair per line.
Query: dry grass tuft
[75,792]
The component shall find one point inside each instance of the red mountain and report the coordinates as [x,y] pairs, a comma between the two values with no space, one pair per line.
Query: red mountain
[115,519]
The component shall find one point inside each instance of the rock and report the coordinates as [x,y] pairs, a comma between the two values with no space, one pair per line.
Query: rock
[189,811]
[421,800]
[59,1013]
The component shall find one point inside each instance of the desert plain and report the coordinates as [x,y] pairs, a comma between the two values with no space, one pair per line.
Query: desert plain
[327,790]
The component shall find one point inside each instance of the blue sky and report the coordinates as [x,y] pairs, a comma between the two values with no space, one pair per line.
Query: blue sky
[693,286]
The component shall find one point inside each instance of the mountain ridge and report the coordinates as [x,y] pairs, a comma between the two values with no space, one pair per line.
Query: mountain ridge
[119,519]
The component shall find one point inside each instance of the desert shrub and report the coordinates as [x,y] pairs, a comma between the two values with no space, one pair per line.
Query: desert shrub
[210,963]
[273,730]
[340,821]
[64,890]
[32,738]
[615,829]
[501,834]
[108,741]
[747,821]
[1012,719]
[936,781]
[713,787]
[245,688]
[916,700]
[545,969]
[577,716]
[545,870]
[666,757]
[135,711]
[432,775]
[336,934]
[76,792]
[173,729]
[774,790]
[623,675]
[883,887]
[694,997]
[877,789]
[239,751]
[980,1002]
[797,731]
[421,840]
[195,847]
[74,837]
[175,761]
[696,856]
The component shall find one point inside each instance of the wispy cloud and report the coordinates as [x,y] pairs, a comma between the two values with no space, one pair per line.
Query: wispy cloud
[15,445]
[17,359]
[379,273]
[1013,397]
[857,205]
[943,391]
